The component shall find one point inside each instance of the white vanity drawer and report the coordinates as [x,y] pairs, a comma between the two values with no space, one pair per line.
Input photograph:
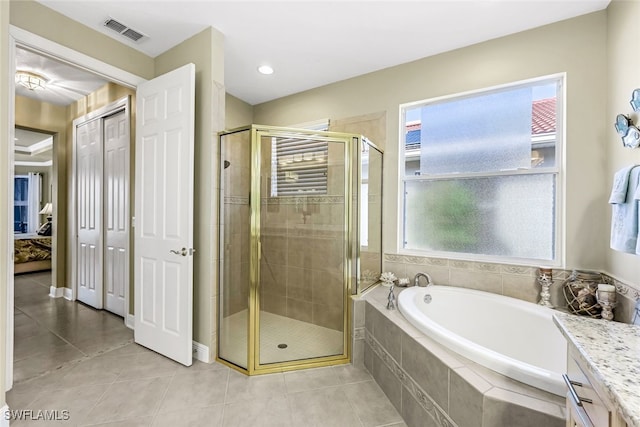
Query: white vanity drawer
[593,404]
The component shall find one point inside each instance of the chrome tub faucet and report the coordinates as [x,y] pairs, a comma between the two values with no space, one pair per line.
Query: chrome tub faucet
[416,279]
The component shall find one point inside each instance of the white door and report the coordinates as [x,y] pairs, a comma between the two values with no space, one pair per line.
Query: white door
[116,214]
[89,215]
[163,243]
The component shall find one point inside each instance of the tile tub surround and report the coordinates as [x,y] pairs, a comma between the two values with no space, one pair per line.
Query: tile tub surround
[431,386]
[611,352]
[505,279]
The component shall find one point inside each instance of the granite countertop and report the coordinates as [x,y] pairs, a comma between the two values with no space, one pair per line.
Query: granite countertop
[611,352]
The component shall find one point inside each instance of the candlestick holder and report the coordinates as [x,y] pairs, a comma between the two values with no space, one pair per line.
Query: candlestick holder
[606,296]
[545,280]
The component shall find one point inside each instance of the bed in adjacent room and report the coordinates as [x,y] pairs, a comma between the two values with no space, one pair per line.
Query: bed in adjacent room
[32,252]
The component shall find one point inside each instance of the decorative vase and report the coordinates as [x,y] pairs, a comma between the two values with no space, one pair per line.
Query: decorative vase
[580,293]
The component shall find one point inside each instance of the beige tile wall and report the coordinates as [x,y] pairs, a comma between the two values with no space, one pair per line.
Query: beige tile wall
[302,260]
[510,280]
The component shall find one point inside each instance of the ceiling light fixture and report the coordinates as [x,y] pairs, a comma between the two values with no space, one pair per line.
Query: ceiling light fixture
[265,69]
[31,81]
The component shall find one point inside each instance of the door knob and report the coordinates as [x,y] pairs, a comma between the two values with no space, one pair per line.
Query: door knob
[182,252]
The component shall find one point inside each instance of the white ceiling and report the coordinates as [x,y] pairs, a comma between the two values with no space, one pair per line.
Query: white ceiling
[65,83]
[32,148]
[313,43]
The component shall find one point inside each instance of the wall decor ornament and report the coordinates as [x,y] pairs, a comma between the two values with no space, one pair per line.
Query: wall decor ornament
[628,131]
[635,100]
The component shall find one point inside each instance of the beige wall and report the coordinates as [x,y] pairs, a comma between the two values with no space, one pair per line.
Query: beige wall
[623,71]
[575,46]
[237,113]
[206,51]
[52,119]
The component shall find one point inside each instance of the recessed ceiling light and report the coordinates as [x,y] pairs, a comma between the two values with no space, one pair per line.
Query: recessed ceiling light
[265,69]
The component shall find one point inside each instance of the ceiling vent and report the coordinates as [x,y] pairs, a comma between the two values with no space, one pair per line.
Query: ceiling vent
[123,30]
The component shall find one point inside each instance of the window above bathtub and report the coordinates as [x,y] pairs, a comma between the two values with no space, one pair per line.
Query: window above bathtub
[481,173]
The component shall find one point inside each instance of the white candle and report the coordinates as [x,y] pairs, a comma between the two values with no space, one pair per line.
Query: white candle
[606,288]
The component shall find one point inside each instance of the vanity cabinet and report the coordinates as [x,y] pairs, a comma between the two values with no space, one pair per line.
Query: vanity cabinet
[587,405]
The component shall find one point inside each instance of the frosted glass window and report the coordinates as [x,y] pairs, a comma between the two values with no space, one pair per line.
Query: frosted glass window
[489,132]
[480,173]
[509,216]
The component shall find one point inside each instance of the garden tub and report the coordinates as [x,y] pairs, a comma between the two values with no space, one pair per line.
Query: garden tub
[510,336]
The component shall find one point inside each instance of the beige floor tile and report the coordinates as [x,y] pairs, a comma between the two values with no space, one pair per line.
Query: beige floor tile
[148,365]
[96,370]
[352,374]
[136,422]
[77,401]
[324,407]
[273,412]
[370,404]
[244,388]
[309,379]
[195,390]
[41,363]
[210,417]
[129,399]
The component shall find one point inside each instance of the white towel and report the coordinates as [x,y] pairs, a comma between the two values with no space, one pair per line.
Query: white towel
[620,184]
[624,218]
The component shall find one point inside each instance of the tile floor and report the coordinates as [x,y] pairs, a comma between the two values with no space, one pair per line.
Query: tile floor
[69,357]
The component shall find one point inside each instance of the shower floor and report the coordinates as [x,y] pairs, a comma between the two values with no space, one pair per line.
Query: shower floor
[303,340]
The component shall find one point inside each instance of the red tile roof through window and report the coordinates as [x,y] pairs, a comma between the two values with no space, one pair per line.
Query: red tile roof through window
[543,118]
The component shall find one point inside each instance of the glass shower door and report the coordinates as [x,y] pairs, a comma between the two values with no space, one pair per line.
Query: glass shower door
[233,311]
[302,246]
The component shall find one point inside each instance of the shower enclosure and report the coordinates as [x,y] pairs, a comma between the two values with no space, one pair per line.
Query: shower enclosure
[300,231]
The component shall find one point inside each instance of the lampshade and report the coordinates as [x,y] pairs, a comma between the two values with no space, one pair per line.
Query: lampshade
[30,80]
[47,210]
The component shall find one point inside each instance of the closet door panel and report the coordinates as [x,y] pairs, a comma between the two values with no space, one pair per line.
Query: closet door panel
[89,214]
[116,175]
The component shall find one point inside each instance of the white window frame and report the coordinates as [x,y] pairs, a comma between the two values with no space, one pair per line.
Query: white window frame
[558,170]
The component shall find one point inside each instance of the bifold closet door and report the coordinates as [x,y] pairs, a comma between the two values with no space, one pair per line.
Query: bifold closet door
[116,212]
[89,215]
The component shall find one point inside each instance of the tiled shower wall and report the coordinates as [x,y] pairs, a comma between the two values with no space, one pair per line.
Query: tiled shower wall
[302,259]
[509,280]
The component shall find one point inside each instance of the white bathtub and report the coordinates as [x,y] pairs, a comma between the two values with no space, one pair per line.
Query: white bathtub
[513,337]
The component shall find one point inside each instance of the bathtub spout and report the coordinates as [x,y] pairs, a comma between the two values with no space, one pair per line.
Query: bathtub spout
[391,299]
[416,280]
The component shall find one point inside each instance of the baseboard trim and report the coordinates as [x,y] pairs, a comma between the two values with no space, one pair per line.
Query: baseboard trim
[130,321]
[201,352]
[56,292]
[68,293]
[6,416]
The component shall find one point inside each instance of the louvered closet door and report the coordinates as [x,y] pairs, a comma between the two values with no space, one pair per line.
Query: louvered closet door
[116,211]
[89,215]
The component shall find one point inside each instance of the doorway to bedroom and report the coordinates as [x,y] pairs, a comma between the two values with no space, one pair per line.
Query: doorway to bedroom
[50,329]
